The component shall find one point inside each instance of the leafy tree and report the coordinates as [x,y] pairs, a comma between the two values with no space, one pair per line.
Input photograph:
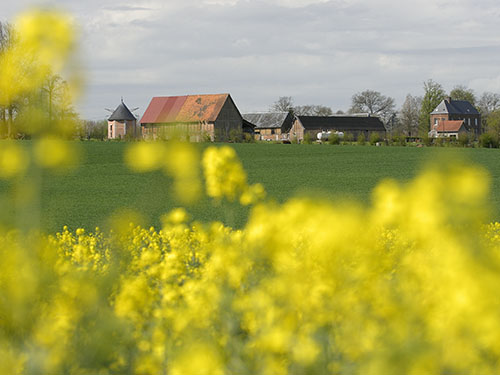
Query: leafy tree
[460,92]
[409,115]
[283,104]
[488,103]
[374,103]
[433,95]
[493,125]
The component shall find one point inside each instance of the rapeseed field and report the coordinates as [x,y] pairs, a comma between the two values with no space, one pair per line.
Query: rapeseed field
[405,285]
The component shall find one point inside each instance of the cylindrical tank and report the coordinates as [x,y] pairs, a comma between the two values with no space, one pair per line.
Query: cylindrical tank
[323,136]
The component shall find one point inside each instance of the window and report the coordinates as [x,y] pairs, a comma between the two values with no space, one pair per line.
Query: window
[475,121]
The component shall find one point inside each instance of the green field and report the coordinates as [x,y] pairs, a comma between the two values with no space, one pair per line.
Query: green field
[102,185]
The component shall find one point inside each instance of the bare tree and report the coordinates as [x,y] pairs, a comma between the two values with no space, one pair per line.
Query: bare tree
[374,103]
[488,103]
[409,115]
[283,104]
[312,110]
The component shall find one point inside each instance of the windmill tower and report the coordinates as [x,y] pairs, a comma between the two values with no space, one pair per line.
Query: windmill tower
[122,123]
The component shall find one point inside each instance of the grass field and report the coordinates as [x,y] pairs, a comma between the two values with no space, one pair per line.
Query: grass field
[102,185]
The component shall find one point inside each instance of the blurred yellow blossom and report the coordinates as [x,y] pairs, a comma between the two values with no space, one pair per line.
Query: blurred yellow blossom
[226,178]
[145,156]
[13,159]
[54,153]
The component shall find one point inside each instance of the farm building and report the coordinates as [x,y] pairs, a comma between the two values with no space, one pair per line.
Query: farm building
[355,125]
[270,126]
[122,123]
[195,117]
[456,110]
[448,129]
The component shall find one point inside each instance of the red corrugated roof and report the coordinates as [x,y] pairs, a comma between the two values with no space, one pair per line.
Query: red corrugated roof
[449,126]
[188,108]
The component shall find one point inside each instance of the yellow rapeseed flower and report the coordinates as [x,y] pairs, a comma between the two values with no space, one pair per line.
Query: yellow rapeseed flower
[54,153]
[13,159]
[145,156]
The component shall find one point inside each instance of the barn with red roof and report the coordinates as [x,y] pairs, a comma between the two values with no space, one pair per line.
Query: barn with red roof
[197,117]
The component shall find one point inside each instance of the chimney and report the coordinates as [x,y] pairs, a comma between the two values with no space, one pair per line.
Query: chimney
[448,99]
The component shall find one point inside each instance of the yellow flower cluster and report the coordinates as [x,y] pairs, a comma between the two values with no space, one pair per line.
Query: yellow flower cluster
[407,286]
[226,178]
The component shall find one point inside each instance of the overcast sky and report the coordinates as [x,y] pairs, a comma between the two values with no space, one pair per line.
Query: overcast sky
[318,52]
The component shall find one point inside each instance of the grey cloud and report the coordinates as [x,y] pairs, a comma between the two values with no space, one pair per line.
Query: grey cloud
[258,50]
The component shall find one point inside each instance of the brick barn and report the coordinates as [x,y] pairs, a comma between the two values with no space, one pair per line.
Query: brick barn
[195,117]
[355,125]
[122,123]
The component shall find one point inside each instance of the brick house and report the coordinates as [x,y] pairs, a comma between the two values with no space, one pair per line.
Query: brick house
[270,126]
[122,123]
[355,125]
[456,110]
[196,117]
[448,129]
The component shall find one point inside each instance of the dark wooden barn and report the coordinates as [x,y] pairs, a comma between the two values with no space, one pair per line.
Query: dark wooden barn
[355,125]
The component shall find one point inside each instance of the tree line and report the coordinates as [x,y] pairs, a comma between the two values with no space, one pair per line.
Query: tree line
[413,118]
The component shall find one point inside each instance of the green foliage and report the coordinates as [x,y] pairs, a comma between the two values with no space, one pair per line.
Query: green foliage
[361,139]
[348,137]
[399,139]
[433,95]
[374,138]
[235,135]
[493,124]
[461,92]
[307,139]
[488,140]
[426,140]
[205,137]
[248,138]
[463,139]
[334,139]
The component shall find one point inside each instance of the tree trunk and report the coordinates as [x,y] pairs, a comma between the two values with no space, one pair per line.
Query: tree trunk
[9,123]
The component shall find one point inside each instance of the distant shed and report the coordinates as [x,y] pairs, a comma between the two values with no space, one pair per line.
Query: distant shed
[270,126]
[355,125]
[213,116]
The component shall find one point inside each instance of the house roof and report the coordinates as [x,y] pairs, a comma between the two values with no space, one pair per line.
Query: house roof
[448,126]
[455,107]
[266,120]
[187,108]
[122,113]
[342,123]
